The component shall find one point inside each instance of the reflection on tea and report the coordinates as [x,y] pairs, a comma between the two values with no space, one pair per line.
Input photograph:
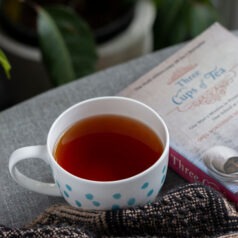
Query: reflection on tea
[107,148]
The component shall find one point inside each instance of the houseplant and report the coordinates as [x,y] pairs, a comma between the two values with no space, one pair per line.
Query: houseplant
[66,26]
[27,55]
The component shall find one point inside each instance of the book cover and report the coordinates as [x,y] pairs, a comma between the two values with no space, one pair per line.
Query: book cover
[196,92]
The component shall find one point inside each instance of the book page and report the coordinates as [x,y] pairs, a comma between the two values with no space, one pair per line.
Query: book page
[196,93]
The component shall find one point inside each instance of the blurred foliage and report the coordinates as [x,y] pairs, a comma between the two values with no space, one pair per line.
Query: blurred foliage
[4,63]
[181,20]
[66,44]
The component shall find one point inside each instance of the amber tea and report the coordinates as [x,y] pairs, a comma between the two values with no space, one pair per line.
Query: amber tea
[107,148]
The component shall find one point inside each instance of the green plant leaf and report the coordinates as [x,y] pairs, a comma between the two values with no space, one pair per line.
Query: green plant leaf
[181,20]
[167,13]
[5,64]
[202,15]
[66,43]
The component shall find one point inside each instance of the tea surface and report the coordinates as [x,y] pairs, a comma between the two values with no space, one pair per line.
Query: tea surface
[107,148]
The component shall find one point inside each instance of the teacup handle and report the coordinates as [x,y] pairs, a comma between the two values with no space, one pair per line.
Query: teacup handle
[34,152]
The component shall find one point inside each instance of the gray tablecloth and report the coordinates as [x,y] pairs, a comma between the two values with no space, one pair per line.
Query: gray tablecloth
[28,123]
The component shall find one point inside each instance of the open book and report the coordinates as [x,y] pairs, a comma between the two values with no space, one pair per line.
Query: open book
[196,92]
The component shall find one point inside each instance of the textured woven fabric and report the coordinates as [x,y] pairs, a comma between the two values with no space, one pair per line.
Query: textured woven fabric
[193,210]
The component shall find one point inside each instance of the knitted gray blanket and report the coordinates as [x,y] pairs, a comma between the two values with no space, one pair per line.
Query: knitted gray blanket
[193,210]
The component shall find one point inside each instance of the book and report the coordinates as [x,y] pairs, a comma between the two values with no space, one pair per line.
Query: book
[196,93]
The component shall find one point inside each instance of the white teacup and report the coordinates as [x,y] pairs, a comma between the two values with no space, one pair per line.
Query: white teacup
[89,194]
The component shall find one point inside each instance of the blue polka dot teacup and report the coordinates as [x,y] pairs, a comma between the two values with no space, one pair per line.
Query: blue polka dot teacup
[98,185]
